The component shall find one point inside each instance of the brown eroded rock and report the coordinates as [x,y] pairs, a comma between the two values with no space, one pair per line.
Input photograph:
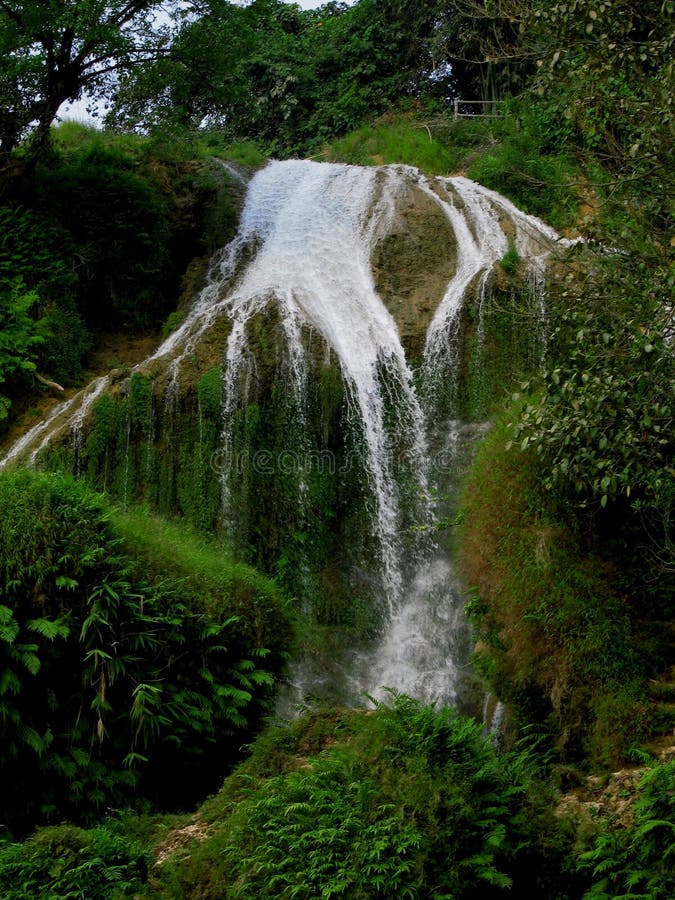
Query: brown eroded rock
[413,264]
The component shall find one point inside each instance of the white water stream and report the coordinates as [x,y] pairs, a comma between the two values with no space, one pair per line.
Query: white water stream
[304,248]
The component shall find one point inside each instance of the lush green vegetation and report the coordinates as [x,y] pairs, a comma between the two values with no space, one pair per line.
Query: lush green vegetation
[132,649]
[115,668]
[65,861]
[638,860]
[50,53]
[562,642]
[574,576]
[348,803]
[289,79]
[97,236]
[406,799]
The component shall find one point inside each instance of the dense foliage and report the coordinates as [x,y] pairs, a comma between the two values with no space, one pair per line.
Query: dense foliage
[66,861]
[600,416]
[405,801]
[129,650]
[382,818]
[110,674]
[404,798]
[96,238]
[574,569]
[638,861]
[20,337]
[287,78]
[560,640]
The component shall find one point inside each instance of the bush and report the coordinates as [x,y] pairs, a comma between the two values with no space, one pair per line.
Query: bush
[101,232]
[65,861]
[403,801]
[36,303]
[20,338]
[112,675]
[539,183]
[638,861]
[408,801]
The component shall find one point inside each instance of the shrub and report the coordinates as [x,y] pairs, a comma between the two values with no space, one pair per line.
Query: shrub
[112,676]
[408,801]
[36,301]
[638,861]
[101,864]
[539,184]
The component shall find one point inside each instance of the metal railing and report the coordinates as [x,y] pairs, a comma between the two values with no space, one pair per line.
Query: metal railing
[489,109]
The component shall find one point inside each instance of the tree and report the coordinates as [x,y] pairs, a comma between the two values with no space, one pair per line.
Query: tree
[606,69]
[53,51]
[286,77]
[200,78]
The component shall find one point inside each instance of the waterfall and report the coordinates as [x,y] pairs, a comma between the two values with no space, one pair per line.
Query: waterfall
[70,413]
[310,223]
[303,253]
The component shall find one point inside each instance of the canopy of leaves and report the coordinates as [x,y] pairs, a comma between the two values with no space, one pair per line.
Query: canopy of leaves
[600,415]
[287,78]
[600,76]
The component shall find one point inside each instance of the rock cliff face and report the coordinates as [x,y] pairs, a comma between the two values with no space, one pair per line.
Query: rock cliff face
[310,404]
[413,263]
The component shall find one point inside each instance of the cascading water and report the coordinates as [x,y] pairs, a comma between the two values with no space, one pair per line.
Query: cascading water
[304,254]
[70,414]
[313,264]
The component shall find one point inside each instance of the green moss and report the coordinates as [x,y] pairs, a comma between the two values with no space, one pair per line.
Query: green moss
[210,393]
[500,340]
[171,323]
[140,402]
[557,631]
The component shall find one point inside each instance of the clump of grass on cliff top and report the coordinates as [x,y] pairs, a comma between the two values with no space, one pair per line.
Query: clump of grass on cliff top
[512,154]
[557,636]
[394,142]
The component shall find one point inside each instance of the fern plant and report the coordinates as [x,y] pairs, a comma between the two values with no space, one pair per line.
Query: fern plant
[638,863]
[101,864]
[411,802]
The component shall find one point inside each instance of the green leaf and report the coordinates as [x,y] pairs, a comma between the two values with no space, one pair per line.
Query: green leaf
[62,581]
[49,628]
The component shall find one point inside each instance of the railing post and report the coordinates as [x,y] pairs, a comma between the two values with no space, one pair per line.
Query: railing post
[456,107]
